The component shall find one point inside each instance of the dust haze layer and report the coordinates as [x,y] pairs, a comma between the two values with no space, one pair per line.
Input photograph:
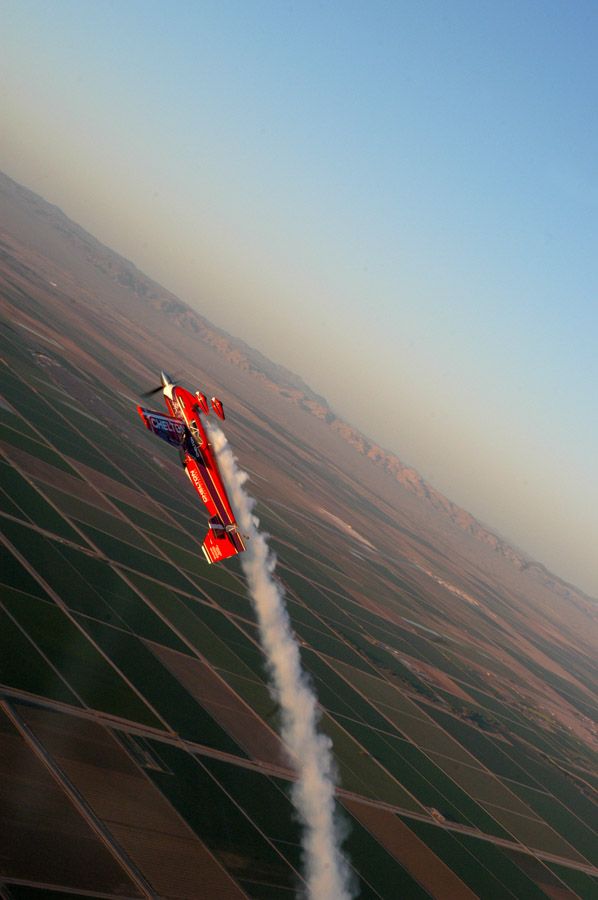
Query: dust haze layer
[24,206]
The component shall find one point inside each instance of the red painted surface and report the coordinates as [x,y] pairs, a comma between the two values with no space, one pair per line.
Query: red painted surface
[182,427]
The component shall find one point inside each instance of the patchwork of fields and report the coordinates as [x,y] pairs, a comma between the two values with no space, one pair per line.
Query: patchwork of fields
[140,748]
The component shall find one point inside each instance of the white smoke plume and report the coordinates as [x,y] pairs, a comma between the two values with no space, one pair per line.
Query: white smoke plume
[327,872]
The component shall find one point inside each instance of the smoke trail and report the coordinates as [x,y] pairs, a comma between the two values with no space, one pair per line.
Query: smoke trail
[327,872]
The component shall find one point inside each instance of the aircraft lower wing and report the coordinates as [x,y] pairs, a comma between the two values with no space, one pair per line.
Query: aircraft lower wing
[168,428]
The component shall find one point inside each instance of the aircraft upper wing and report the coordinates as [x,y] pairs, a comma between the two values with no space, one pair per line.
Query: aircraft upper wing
[166,427]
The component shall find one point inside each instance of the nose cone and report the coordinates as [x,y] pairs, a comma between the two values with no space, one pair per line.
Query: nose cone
[166,379]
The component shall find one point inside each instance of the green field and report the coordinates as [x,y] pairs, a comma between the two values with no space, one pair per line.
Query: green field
[108,609]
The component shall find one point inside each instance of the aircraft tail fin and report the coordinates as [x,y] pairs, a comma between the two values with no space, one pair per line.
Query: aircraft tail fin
[221,544]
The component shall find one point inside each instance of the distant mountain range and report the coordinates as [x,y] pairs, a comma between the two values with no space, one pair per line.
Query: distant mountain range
[275,377]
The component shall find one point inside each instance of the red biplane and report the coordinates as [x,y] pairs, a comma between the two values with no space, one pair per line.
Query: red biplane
[183,428]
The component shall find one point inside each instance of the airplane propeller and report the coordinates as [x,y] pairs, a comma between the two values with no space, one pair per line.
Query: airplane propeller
[153,391]
[169,379]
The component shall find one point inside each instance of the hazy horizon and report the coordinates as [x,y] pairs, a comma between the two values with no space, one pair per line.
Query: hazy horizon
[397,203]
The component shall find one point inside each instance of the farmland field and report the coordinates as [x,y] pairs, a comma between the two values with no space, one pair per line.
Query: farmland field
[136,717]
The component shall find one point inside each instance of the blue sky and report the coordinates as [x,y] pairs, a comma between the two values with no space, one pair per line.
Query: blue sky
[397,200]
